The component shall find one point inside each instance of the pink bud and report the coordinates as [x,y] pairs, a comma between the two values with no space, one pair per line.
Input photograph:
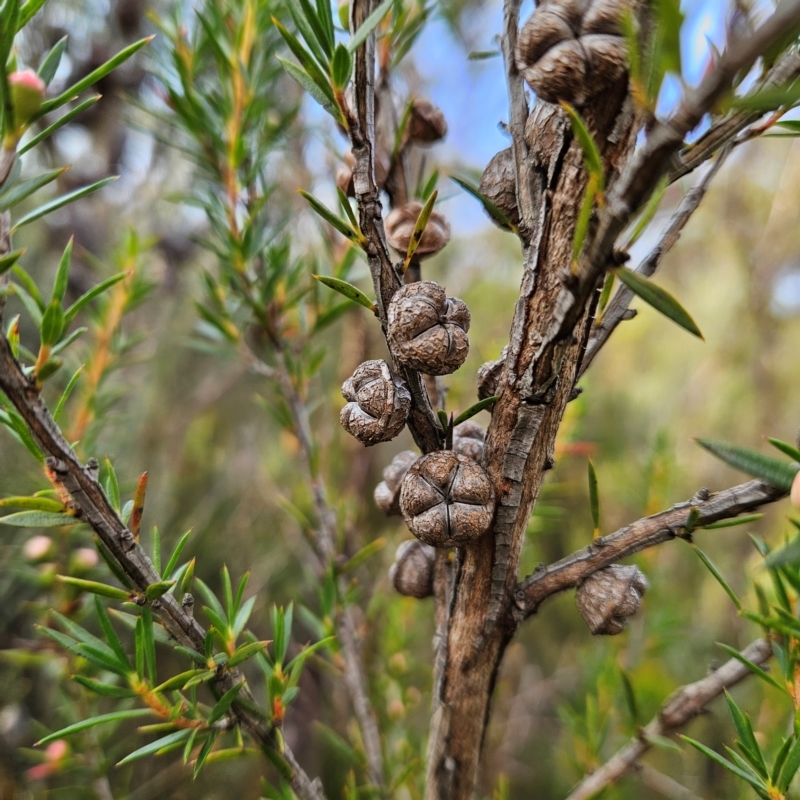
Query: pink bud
[29,79]
[84,558]
[795,496]
[37,548]
[28,91]
[56,750]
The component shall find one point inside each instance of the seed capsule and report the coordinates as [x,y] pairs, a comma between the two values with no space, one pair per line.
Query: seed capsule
[387,492]
[399,226]
[379,403]
[468,440]
[446,499]
[426,123]
[412,571]
[609,597]
[427,330]
[499,184]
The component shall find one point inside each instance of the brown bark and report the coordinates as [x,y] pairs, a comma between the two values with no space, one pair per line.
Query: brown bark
[537,383]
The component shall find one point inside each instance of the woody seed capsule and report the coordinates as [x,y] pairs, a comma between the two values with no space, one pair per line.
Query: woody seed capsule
[427,330]
[447,500]
[426,123]
[609,597]
[499,184]
[379,403]
[387,492]
[400,224]
[412,571]
[468,440]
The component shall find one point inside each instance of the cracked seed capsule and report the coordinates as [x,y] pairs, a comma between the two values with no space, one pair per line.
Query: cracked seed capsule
[499,184]
[379,403]
[427,330]
[572,50]
[609,597]
[468,440]
[387,492]
[399,226]
[446,499]
[412,571]
[426,123]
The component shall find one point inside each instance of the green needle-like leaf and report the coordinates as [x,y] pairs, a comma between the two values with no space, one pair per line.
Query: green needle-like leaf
[20,191]
[718,577]
[38,519]
[114,716]
[176,554]
[786,448]
[154,747]
[754,668]
[659,299]
[369,25]
[7,261]
[59,123]
[419,228]
[594,498]
[224,703]
[475,409]
[341,66]
[60,202]
[491,209]
[591,153]
[50,62]
[341,225]
[749,778]
[346,289]
[103,589]
[770,470]
[92,78]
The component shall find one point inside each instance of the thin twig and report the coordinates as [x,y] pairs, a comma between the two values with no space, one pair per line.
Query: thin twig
[97,512]
[571,571]
[618,307]
[682,707]
[422,422]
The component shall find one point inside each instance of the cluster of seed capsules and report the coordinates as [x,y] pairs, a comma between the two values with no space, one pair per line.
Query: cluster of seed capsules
[567,50]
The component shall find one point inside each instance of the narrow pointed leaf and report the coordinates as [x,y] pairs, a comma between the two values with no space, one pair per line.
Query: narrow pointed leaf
[114,716]
[744,730]
[245,652]
[59,123]
[138,505]
[21,191]
[33,504]
[341,225]
[154,747]
[790,767]
[475,409]
[659,299]
[754,668]
[369,25]
[770,470]
[204,752]
[341,66]
[594,498]
[491,209]
[49,65]
[67,392]
[786,448]
[92,294]
[224,703]
[111,635]
[176,554]
[346,289]
[723,762]
[52,323]
[104,689]
[92,78]
[60,202]
[718,577]
[730,523]
[7,261]
[591,153]
[38,519]
[320,94]
[419,228]
[103,589]
[780,759]
[62,275]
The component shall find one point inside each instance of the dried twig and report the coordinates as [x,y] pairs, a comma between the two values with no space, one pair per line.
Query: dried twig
[571,571]
[682,707]
[96,511]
